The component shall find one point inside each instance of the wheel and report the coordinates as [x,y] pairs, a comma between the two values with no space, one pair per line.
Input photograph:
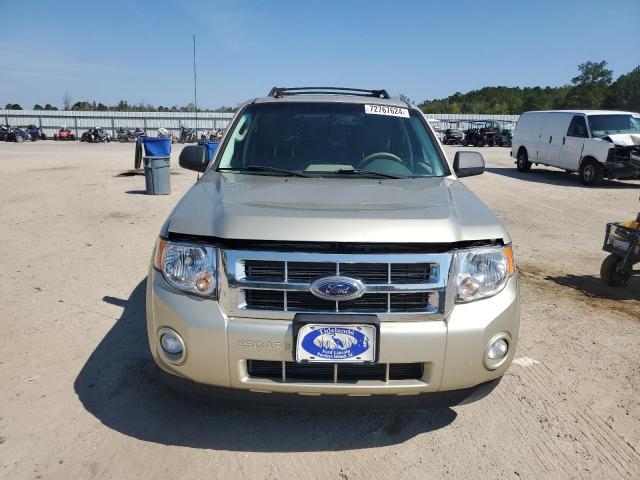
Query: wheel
[19,138]
[591,172]
[480,143]
[137,156]
[608,272]
[464,143]
[522,162]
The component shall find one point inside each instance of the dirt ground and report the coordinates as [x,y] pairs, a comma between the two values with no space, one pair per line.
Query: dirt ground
[80,397]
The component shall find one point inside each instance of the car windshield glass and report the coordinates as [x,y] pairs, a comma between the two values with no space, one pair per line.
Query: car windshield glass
[325,139]
[602,125]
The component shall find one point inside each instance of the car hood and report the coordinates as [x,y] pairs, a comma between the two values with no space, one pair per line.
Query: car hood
[260,207]
[624,139]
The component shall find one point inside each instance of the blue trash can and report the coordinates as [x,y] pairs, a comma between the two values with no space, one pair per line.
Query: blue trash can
[156,146]
[211,148]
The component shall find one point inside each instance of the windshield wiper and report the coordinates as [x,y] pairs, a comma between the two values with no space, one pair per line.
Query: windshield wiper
[265,168]
[357,171]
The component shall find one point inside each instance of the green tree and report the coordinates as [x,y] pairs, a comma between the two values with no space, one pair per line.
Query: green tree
[13,106]
[590,87]
[37,106]
[624,94]
[48,106]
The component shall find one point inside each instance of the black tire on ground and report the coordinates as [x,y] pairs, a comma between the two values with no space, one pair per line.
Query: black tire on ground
[522,162]
[591,172]
[137,160]
[464,143]
[480,143]
[608,272]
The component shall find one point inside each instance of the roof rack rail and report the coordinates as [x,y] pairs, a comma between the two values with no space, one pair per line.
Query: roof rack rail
[279,92]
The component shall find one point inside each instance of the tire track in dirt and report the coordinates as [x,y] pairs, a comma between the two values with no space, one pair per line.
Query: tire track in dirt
[599,444]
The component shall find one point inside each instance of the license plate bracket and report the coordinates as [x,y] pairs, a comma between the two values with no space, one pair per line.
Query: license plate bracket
[337,338]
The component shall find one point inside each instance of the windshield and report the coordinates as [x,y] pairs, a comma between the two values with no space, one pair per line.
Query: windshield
[602,125]
[326,139]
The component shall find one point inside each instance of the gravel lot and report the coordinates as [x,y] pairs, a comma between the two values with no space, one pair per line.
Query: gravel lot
[80,397]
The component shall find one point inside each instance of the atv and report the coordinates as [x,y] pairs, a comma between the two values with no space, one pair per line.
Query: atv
[35,133]
[452,135]
[16,134]
[96,135]
[481,133]
[64,134]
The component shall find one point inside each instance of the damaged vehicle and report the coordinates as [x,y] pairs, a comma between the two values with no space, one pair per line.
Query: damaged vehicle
[330,250]
[597,144]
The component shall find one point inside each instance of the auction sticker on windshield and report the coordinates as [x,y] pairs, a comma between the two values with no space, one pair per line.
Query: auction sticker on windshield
[386,110]
[336,343]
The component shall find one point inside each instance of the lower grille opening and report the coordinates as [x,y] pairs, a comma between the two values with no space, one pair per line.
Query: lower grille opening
[324,372]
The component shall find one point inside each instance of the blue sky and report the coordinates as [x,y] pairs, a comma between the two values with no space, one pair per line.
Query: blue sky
[142,50]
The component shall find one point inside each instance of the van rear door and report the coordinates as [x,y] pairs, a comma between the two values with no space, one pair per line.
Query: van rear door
[573,143]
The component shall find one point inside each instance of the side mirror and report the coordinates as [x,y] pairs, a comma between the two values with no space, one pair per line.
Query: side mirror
[194,157]
[467,164]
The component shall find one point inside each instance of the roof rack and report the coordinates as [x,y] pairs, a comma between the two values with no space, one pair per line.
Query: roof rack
[279,92]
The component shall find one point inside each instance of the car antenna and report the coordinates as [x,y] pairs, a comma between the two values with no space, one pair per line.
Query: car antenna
[195,92]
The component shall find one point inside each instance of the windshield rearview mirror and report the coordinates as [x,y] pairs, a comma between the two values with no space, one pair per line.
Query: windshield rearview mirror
[194,157]
[467,164]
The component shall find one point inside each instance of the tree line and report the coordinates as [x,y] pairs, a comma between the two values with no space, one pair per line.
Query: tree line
[592,88]
[121,106]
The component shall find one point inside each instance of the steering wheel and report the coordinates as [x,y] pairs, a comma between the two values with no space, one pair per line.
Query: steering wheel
[370,158]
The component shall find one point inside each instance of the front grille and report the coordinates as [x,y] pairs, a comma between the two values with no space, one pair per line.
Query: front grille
[307,272]
[279,283]
[307,302]
[327,372]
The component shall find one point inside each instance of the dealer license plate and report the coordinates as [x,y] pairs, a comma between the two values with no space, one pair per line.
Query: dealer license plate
[336,343]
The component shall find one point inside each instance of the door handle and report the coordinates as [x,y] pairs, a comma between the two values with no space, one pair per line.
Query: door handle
[563,139]
[550,138]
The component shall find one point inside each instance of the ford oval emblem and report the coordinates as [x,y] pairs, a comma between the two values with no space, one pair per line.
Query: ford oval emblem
[337,288]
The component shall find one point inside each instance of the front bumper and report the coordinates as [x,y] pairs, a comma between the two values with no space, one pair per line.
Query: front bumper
[218,346]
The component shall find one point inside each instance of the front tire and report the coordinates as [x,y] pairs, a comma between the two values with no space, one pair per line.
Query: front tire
[522,162]
[591,172]
[609,274]
[19,139]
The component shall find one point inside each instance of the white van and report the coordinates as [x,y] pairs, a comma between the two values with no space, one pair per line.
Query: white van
[595,143]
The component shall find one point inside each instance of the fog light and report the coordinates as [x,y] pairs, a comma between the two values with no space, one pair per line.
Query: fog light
[171,344]
[172,347]
[498,349]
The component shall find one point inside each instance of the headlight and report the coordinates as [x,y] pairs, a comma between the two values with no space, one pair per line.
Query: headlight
[188,267]
[482,272]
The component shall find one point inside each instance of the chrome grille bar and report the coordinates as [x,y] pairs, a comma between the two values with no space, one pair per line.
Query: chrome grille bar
[235,284]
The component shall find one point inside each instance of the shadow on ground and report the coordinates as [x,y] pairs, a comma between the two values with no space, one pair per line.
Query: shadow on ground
[556,177]
[119,384]
[595,287]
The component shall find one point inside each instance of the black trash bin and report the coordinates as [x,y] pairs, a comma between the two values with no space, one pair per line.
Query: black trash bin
[156,175]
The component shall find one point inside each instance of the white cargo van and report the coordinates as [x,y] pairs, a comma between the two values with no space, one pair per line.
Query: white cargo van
[596,143]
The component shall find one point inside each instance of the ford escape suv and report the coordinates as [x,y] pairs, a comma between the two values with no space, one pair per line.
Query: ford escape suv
[330,249]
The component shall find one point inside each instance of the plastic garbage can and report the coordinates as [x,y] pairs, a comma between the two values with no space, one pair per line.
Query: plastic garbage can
[211,148]
[156,146]
[156,175]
